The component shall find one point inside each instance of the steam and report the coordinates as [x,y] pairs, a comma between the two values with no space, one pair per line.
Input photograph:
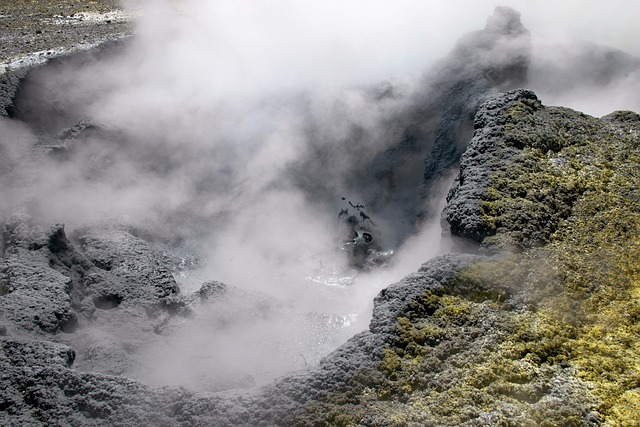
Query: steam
[203,127]
[570,65]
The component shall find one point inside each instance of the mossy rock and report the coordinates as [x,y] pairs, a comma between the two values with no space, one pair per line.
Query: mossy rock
[547,333]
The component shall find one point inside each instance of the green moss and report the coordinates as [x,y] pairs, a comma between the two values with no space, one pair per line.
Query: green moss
[624,412]
[594,248]
[458,389]
[559,156]
[526,208]
[564,308]
[572,209]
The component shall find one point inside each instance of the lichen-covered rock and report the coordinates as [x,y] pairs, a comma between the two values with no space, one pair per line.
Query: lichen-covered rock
[526,167]
[562,188]
[513,338]
[435,275]
[484,157]
[547,336]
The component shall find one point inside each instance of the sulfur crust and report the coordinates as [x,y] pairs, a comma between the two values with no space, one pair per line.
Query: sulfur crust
[555,338]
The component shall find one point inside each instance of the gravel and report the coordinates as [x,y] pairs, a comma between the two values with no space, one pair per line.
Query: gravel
[33,31]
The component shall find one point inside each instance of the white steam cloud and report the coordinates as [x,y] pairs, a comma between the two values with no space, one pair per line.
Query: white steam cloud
[193,126]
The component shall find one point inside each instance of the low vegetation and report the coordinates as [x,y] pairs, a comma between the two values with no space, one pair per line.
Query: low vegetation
[556,340]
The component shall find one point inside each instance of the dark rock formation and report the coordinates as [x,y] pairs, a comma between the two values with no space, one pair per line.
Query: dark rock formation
[468,340]
[397,170]
[50,289]
[463,213]
[36,298]
[128,268]
[9,85]
[517,179]
[480,69]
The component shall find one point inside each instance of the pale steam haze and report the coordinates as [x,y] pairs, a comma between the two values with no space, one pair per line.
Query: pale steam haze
[203,118]
[561,32]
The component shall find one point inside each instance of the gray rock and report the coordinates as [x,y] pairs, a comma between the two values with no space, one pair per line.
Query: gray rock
[517,181]
[434,275]
[399,169]
[22,353]
[484,156]
[625,118]
[9,84]
[130,272]
[48,286]
[34,297]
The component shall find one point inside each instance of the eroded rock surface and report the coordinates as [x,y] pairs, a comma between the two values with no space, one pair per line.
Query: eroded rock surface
[398,168]
[523,338]
[526,166]
[467,340]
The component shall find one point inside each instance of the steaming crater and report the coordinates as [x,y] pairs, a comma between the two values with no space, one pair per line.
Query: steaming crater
[169,176]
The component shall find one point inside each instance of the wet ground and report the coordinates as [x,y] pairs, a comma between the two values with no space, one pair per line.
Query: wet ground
[36,29]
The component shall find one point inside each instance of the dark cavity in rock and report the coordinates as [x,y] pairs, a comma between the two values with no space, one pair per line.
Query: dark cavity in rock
[107,302]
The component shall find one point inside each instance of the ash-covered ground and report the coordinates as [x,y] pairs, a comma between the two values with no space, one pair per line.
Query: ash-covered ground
[35,31]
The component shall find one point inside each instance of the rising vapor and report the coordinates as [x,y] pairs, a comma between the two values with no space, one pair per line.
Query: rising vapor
[237,131]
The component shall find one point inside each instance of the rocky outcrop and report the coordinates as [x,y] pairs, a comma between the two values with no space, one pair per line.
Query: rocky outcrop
[113,268]
[36,298]
[467,340]
[66,395]
[515,332]
[397,170]
[525,169]
[484,157]
[543,335]
[480,69]
[52,290]
[129,271]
